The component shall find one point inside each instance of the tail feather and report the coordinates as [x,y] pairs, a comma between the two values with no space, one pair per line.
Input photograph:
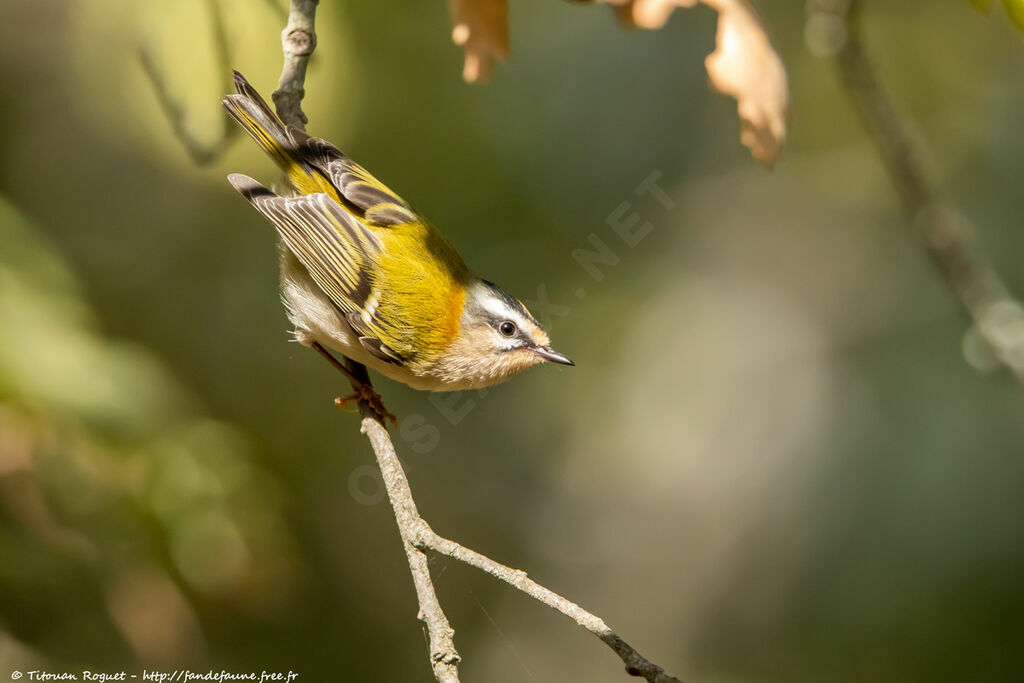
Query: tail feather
[243,87]
[290,148]
[256,117]
[260,128]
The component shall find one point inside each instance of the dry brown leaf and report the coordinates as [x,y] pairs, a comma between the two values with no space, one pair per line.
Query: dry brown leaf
[744,65]
[481,30]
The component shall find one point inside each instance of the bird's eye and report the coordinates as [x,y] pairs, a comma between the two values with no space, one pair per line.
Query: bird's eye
[507,328]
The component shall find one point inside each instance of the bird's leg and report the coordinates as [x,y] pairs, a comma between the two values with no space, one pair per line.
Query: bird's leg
[338,365]
[356,374]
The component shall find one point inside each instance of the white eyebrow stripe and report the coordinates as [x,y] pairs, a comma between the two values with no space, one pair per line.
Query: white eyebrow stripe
[498,308]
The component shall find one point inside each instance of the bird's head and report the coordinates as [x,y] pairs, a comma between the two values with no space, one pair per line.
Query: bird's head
[497,338]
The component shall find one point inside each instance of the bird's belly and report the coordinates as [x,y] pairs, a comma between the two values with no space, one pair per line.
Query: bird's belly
[317,320]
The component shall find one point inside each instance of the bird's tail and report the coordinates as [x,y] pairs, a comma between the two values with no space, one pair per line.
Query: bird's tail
[251,112]
[286,145]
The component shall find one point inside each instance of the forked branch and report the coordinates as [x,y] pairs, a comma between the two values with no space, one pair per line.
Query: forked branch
[417,536]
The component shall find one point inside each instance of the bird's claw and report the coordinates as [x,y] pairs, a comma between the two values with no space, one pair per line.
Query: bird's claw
[365,394]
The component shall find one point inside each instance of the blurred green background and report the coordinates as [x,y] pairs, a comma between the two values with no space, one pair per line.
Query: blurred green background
[772,462]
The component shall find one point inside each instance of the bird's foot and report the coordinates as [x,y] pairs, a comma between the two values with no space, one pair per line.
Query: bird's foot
[364,393]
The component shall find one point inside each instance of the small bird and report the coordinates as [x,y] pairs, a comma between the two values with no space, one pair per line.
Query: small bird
[364,274]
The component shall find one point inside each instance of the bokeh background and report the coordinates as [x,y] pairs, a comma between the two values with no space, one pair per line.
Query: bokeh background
[773,461]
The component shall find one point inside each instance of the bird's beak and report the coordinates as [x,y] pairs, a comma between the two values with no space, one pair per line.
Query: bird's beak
[549,354]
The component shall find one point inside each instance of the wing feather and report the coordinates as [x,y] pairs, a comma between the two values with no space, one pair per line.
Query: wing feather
[379,204]
[333,246]
[364,195]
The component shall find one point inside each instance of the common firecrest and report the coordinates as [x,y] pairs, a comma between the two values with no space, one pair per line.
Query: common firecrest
[364,274]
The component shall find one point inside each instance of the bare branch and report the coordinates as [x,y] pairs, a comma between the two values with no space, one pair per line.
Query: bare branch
[417,536]
[201,153]
[949,238]
[636,665]
[444,658]
[298,40]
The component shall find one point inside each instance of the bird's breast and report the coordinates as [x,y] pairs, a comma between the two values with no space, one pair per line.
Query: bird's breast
[422,293]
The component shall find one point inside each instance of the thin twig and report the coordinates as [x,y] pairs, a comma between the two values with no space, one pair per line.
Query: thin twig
[444,658]
[636,664]
[948,237]
[299,40]
[418,536]
[202,153]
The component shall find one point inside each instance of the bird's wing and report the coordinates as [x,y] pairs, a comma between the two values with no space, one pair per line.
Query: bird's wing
[314,165]
[366,197]
[337,250]
[380,205]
